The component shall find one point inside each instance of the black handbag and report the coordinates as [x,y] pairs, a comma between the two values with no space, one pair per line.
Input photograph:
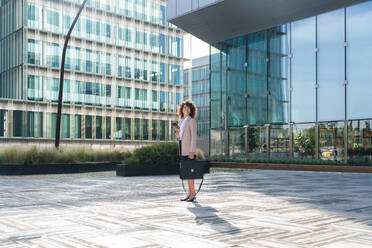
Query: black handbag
[192,169]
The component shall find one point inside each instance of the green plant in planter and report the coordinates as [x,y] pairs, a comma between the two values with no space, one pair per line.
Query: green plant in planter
[304,145]
[34,155]
[160,153]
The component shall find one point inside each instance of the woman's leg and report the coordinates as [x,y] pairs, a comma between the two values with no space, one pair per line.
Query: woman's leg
[191,187]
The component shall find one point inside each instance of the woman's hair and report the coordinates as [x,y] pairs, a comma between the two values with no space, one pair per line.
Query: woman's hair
[191,105]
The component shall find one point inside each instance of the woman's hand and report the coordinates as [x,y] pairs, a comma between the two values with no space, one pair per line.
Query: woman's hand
[176,130]
[191,155]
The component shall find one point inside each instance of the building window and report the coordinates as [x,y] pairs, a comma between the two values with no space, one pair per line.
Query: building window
[34,88]
[34,124]
[88,127]
[145,129]
[34,52]
[119,128]
[155,105]
[65,126]
[53,21]
[98,127]
[108,127]
[128,67]
[137,129]
[128,128]
[77,126]
[2,122]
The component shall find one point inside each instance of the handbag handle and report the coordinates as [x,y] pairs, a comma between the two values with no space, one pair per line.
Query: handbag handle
[200,185]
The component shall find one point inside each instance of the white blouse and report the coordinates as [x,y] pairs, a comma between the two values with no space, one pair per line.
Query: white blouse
[182,126]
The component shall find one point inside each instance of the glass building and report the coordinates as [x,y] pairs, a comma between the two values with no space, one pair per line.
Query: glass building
[301,89]
[123,71]
[196,80]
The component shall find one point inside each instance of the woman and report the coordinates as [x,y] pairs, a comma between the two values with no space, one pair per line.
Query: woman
[186,134]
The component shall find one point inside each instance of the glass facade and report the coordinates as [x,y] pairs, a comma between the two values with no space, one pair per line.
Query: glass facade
[299,90]
[123,59]
[197,84]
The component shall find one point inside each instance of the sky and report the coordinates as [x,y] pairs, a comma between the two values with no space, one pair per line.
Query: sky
[194,48]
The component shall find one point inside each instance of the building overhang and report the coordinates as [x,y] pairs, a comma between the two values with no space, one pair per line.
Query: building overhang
[227,19]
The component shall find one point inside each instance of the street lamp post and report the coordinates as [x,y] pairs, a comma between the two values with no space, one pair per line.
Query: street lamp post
[60,96]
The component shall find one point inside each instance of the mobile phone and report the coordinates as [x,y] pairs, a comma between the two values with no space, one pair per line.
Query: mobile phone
[175,124]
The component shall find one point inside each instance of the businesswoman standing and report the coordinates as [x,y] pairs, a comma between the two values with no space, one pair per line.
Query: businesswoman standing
[186,134]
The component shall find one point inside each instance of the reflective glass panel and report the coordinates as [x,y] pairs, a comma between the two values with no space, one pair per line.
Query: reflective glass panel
[331,141]
[237,142]
[331,66]
[257,78]
[278,80]
[236,57]
[359,149]
[216,87]
[217,142]
[359,52]
[304,141]
[279,141]
[303,70]
[257,142]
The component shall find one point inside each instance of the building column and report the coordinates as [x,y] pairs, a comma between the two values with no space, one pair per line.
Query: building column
[44,88]
[10,124]
[131,128]
[113,125]
[267,126]
[317,141]
[45,128]
[227,138]
[25,123]
[169,130]
[150,128]
[104,125]
[346,134]
[72,122]
[246,140]
[83,126]
[291,139]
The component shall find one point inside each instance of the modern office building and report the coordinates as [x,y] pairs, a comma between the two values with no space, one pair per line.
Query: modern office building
[287,81]
[123,72]
[196,80]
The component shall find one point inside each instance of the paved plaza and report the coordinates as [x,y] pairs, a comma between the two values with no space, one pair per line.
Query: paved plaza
[234,209]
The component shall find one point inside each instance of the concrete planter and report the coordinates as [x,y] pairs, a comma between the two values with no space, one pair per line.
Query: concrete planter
[295,167]
[20,169]
[128,170]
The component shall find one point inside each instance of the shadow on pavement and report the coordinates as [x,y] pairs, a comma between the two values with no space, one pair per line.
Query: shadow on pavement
[207,215]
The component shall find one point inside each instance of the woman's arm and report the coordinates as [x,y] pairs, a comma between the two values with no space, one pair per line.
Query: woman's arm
[193,137]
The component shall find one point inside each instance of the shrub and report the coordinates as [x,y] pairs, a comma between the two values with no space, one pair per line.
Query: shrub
[34,155]
[161,153]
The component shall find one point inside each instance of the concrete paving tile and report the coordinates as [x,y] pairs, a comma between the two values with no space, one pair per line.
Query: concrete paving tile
[234,209]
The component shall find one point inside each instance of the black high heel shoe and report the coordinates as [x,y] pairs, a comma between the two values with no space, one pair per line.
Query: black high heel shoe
[187,197]
[191,199]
